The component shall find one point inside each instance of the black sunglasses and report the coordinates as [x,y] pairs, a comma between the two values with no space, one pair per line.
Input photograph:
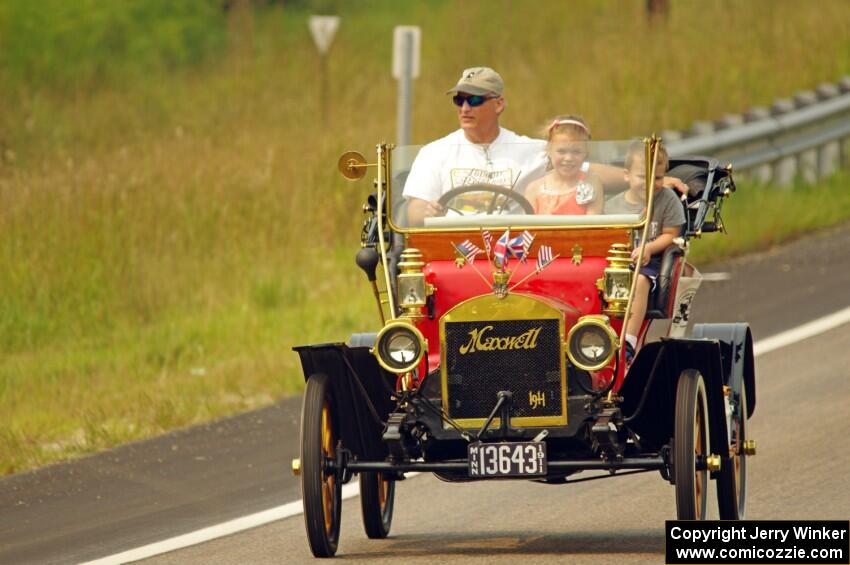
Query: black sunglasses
[474,100]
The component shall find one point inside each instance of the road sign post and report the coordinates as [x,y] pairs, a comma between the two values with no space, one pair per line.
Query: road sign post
[406,42]
[323,28]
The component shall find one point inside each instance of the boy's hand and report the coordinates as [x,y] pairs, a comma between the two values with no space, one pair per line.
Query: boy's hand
[646,256]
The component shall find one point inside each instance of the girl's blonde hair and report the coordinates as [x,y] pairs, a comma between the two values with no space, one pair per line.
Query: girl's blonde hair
[573,126]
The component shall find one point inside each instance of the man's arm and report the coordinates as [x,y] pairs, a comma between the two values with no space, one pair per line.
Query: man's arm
[613,179]
[418,210]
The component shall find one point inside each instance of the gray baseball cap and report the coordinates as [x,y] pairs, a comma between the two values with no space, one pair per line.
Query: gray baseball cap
[479,80]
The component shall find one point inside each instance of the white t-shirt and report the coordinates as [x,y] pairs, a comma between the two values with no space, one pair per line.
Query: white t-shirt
[511,160]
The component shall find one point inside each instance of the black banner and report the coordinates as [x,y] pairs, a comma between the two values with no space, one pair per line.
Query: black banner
[815,542]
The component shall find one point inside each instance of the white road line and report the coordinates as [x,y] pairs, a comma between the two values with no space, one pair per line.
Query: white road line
[351,490]
[217,531]
[800,333]
[712,277]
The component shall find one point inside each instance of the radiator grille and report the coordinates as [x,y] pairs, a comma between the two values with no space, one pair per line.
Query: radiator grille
[522,356]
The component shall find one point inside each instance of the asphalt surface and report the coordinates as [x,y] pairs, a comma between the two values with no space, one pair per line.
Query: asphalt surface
[799,473]
[153,490]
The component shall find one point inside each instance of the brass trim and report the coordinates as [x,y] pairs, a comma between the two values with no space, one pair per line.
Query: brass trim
[296,466]
[599,321]
[577,254]
[712,463]
[514,306]
[383,152]
[650,155]
[423,346]
[749,447]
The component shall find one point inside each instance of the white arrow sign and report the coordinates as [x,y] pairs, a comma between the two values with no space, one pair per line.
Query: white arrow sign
[323,29]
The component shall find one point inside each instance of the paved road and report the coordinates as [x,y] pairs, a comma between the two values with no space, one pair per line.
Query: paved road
[145,492]
[797,474]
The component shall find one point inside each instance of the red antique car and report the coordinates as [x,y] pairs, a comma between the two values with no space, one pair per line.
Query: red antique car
[501,350]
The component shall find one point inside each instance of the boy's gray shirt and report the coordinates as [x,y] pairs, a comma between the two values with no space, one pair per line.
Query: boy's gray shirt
[667,210]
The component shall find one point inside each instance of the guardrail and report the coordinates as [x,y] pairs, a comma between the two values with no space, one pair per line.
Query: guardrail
[806,137]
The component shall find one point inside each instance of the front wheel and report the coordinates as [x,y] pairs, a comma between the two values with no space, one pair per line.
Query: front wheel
[732,482]
[690,443]
[321,488]
[377,495]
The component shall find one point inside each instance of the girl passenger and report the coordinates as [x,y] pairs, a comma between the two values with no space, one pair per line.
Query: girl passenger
[569,187]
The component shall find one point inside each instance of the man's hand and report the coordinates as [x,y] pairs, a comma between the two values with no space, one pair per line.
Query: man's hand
[418,210]
[676,184]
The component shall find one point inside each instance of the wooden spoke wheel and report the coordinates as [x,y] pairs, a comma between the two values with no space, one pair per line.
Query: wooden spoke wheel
[732,481]
[690,443]
[377,495]
[321,488]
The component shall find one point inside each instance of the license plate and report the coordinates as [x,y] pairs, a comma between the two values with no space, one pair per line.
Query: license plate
[519,459]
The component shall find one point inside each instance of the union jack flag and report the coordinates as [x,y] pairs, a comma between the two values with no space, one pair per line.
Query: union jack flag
[469,250]
[488,241]
[500,250]
[544,257]
[516,246]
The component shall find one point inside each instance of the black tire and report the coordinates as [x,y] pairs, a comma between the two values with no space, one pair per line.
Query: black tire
[377,496]
[690,441]
[321,491]
[732,481]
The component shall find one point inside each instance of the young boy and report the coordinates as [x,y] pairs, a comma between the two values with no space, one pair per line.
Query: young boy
[665,224]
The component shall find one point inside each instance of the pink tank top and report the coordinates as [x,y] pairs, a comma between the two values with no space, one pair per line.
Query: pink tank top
[558,203]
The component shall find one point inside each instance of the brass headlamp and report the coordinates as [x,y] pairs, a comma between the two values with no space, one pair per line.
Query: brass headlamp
[618,280]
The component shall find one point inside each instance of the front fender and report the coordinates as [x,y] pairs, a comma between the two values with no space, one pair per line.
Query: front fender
[649,390]
[736,350]
[361,390]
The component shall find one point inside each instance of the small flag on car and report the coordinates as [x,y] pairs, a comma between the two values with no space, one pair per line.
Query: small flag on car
[544,257]
[520,245]
[517,247]
[527,240]
[488,241]
[469,250]
[500,250]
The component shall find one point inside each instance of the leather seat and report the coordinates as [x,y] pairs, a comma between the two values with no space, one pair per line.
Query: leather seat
[660,303]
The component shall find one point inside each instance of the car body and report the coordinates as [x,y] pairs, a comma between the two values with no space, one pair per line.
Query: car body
[488,367]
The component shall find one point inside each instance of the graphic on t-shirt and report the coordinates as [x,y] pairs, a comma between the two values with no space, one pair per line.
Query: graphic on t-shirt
[469,177]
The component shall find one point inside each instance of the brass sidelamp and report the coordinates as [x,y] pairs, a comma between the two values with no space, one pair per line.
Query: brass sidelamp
[412,289]
[617,280]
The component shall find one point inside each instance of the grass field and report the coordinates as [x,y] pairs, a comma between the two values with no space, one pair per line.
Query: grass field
[172,220]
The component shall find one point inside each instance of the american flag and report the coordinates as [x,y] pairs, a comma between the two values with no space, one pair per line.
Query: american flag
[500,250]
[469,250]
[488,241]
[527,240]
[544,257]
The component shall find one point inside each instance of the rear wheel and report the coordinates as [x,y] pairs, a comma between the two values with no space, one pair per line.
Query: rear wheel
[320,488]
[732,482]
[377,495]
[690,443]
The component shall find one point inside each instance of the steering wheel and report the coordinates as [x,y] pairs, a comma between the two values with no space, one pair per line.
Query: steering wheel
[487,207]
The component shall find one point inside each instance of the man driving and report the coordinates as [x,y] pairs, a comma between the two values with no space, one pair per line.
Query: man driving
[479,153]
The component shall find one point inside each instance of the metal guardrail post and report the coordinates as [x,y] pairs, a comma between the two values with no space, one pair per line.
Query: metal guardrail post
[828,153]
[785,168]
